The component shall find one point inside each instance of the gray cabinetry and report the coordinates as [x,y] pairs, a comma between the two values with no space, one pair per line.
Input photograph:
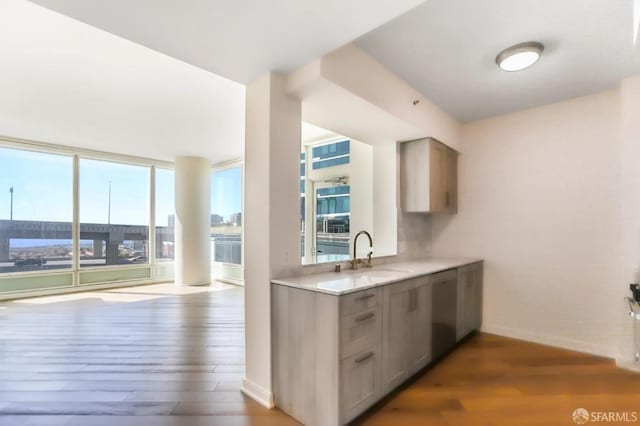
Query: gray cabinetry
[334,356]
[406,334]
[395,301]
[360,381]
[428,173]
[469,299]
[418,320]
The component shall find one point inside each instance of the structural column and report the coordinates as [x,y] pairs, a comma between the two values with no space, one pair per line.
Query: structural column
[112,252]
[97,248]
[271,217]
[4,249]
[193,226]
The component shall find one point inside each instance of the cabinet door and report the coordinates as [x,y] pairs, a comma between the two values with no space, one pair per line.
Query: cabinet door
[360,382]
[430,187]
[469,299]
[451,176]
[437,176]
[394,334]
[418,325]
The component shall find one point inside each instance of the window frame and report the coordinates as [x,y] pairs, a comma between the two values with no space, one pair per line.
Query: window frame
[76,271]
[309,255]
[226,165]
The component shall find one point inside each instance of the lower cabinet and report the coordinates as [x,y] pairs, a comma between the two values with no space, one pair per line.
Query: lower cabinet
[395,300]
[336,356]
[418,330]
[360,381]
[469,299]
[406,337]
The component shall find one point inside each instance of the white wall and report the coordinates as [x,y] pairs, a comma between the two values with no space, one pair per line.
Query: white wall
[385,206]
[538,200]
[271,217]
[361,201]
[629,225]
[358,72]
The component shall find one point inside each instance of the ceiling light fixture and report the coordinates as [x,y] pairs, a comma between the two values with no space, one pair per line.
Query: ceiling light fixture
[520,56]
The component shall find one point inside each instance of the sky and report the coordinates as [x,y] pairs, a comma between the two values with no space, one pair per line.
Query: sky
[42,186]
[226,192]
[43,190]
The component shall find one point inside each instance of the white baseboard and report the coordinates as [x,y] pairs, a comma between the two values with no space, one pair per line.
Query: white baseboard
[550,340]
[258,393]
[627,364]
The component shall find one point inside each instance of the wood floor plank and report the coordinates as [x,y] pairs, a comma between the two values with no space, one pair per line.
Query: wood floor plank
[8,420]
[168,356]
[500,381]
[150,355]
[66,396]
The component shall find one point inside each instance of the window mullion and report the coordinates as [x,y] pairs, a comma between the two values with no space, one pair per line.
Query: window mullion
[152,222]
[75,230]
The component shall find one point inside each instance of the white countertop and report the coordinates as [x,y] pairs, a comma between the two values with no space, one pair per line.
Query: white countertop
[349,281]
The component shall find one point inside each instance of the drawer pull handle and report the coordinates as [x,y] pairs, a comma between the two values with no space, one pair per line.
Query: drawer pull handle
[365,297]
[364,357]
[365,317]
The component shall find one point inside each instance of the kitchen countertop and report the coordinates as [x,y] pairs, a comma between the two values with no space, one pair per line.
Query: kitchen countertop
[349,281]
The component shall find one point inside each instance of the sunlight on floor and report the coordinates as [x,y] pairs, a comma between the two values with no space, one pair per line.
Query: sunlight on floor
[128,294]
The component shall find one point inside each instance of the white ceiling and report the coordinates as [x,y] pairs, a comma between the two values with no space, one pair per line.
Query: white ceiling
[65,82]
[237,39]
[446,49]
[312,134]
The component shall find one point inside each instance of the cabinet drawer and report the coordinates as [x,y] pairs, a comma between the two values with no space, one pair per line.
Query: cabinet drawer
[360,331]
[360,301]
[360,379]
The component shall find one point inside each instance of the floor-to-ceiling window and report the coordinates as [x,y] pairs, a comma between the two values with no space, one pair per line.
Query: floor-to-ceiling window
[36,215]
[71,218]
[226,223]
[114,220]
[114,213]
[165,218]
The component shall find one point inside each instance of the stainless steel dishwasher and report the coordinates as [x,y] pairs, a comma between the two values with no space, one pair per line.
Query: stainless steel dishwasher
[444,312]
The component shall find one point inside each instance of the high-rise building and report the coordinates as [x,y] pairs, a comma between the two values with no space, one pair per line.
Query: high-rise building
[216,219]
[236,218]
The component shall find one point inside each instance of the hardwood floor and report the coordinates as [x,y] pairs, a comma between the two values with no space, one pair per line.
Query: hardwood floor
[151,355]
[492,380]
[166,356]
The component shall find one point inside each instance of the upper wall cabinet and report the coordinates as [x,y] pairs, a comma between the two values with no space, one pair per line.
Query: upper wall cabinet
[429,177]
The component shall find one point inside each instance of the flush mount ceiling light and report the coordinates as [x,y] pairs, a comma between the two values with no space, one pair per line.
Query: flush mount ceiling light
[520,56]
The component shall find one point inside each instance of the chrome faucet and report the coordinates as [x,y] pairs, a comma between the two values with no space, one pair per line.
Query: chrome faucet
[355,260]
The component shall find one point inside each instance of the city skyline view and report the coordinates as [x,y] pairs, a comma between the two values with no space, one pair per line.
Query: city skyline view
[114,211]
